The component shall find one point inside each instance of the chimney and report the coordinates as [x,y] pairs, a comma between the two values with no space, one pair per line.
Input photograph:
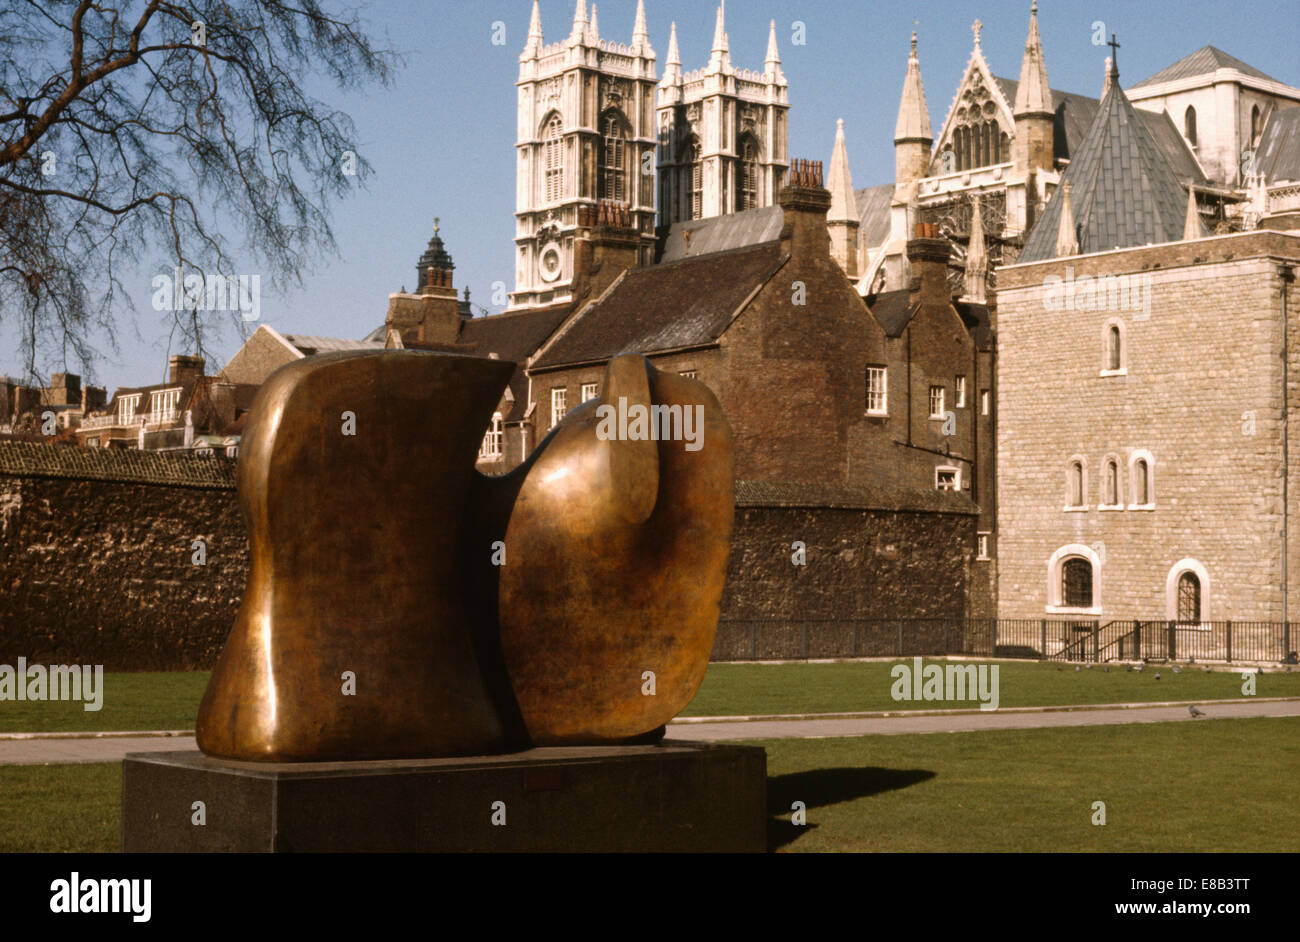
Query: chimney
[608,246]
[928,255]
[805,201]
[183,368]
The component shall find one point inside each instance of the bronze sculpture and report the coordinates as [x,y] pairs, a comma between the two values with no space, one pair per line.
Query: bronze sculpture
[402,605]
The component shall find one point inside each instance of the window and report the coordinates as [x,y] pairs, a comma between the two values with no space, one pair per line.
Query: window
[1110,484]
[947,478]
[554,160]
[1141,481]
[936,402]
[1255,126]
[747,179]
[163,404]
[984,402]
[559,398]
[232,451]
[1076,583]
[694,154]
[982,544]
[126,407]
[1189,598]
[959,393]
[1112,347]
[1075,485]
[1189,125]
[588,391]
[493,439]
[613,175]
[688,374]
[877,390]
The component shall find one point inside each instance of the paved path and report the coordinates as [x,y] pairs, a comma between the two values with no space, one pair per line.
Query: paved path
[66,748]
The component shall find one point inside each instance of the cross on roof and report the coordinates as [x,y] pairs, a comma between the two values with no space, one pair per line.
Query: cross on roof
[1114,52]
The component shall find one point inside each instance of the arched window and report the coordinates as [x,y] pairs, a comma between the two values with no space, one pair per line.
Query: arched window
[1076,583]
[1141,485]
[1255,126]
[1110,485]
[1074,485]
[1004,151]
[1189,125]
[747,179]
[1113,348]
[694,154]
[613,157]
[553,160]
[1189,598]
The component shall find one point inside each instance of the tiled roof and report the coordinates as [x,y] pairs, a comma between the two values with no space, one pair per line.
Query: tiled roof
[1204,61]
[514,336]
[1123,190]
[1278,154]
[873,211]
[665,307]
[116,464]
[696,237]
[874,495]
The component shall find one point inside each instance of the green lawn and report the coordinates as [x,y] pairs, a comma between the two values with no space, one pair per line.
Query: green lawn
[850,686]
[130,701]
[1208,785]
[171,701]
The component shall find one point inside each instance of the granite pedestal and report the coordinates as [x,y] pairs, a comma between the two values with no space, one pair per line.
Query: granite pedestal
[669,797]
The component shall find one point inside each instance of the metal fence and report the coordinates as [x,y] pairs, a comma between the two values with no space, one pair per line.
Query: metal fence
[759,639]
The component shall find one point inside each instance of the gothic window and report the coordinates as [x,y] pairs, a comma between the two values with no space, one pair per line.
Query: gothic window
[553,160]
[1076,583]
[747,179]
[1189,125]
[1189,598]
[694,155]
[613,157]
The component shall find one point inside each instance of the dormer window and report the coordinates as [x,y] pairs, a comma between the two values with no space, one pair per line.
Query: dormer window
[126,407]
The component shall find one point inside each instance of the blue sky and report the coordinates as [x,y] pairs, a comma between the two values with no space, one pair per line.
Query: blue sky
[441,138]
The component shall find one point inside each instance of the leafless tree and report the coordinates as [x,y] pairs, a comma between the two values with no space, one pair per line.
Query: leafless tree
[146,133]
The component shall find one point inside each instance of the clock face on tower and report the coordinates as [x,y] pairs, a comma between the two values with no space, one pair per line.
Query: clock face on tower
[549,262]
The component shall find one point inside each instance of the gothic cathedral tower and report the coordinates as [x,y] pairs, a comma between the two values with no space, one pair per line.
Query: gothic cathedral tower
[586,133]
[723,133]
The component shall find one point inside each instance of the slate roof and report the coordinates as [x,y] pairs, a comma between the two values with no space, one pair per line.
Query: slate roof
[1204,61]
[1075,114]
[694,237]
[1278,154]
[310,345]
[513,336]
[1123,190]
[873,212]
[893,310]
[687,303]
[867,495]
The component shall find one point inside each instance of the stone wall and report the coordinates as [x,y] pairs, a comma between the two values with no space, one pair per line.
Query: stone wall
[96,557]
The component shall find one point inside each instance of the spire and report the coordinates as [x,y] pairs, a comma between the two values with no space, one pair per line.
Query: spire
[1033,95]
[1105,83]
[913,115]
[720,60]
[579,33]
[843,203]
[640,35]
[534,44]
[1192,225]
[977,260]
[772,65]
[673,66]
[593,30]
[1067,240]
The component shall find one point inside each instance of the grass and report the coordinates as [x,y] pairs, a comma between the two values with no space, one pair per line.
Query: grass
[129,702]
[1208,785]
[852,686]
[171,700]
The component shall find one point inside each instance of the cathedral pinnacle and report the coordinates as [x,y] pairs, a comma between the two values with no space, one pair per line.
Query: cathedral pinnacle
[720,60]
[913,115]
[579,33]
[1033,95]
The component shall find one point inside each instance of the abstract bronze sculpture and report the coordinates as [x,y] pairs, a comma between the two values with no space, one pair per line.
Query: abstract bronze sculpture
[402,605]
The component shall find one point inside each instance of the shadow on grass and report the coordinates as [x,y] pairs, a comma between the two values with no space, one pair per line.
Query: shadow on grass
[818,788]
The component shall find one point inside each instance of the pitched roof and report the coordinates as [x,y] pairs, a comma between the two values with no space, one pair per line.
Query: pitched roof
[310,345]
[873,213]
[1204,61]
[695,237]
[512,336]
[1278,154]
[1123,190]
[686,303]
[893,310]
